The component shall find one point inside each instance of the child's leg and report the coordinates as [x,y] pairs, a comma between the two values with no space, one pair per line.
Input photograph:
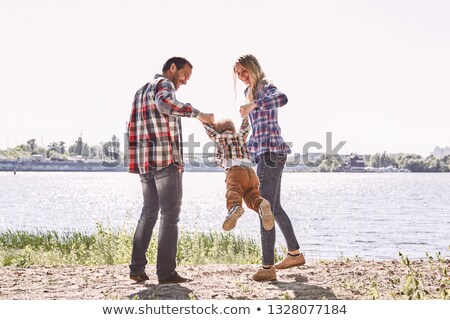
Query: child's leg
[254,201]
[235,188]
[235,191]
[252,196]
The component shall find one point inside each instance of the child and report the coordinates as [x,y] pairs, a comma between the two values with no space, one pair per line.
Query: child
[242,181]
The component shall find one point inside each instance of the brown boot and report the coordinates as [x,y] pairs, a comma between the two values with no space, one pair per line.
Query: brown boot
[291,261]
[174,278]
[266,214]
[265,274]
[139,277]
[233,215]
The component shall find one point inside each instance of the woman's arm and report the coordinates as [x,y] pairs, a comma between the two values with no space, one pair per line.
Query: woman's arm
[271,98]
[246,109]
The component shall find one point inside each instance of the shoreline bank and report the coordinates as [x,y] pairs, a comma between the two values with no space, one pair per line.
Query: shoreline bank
[334,279]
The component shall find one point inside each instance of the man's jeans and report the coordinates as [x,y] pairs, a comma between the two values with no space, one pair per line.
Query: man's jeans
[161,190]
[269,170]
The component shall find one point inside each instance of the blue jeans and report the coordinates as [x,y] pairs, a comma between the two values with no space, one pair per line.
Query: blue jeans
[270,168]
[162,190]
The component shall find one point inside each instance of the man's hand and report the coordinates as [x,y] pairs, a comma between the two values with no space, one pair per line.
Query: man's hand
[206,117]
[246,109]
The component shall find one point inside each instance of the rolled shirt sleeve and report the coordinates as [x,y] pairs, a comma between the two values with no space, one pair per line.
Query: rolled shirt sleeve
[271,98]
[167,103]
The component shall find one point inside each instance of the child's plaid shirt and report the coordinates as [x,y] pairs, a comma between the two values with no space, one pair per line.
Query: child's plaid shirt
[154,129]
[230,145]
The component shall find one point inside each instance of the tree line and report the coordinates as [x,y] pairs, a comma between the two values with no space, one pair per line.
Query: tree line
[59,151]
[410,161]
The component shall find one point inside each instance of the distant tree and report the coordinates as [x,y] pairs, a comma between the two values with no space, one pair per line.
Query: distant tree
[385,160]
[416,165]
[445,164]
[366,158]
[32,146]
[56,150]
[85,151]
[406,161]
[375,160]
[446,159]
[22,147]
[328,164]
[62,147]
[72,149]
[79,147]
[93,152]
[431,164]
[111,149]
[52,146]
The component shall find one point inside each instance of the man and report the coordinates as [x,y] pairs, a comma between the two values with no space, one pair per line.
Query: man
[154,137]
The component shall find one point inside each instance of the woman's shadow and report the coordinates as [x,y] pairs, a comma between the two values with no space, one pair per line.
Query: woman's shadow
[300,289]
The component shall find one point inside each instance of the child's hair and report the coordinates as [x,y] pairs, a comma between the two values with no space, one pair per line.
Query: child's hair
[224,125]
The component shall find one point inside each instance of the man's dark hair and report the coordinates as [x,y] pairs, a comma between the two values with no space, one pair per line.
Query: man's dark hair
[179,62]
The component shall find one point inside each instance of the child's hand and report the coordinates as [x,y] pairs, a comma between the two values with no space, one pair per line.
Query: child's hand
[206,117]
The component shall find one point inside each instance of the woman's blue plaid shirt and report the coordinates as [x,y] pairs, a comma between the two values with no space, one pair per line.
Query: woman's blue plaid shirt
[266,133]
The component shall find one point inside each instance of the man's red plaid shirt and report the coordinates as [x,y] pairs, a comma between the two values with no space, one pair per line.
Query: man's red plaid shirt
[154,129]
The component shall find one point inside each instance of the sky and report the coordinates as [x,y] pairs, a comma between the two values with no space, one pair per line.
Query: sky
[375,74]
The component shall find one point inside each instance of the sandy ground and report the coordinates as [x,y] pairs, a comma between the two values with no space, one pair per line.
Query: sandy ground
[317,280]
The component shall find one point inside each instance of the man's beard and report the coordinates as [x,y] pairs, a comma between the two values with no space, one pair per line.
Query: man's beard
[174,79]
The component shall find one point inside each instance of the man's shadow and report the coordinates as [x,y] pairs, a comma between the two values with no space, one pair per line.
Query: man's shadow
[153,291]
[304,291]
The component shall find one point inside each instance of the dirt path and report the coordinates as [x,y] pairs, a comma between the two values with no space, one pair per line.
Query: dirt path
[318,280]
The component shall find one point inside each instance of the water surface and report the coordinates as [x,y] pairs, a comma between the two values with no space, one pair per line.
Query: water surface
[335,215]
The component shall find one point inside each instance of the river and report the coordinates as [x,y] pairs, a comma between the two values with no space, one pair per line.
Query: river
[369,215]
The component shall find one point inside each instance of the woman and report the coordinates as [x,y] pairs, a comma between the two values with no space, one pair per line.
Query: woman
[268,149]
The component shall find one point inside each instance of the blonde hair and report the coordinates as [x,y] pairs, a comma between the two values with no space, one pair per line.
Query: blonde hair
[256,74]
[224,125]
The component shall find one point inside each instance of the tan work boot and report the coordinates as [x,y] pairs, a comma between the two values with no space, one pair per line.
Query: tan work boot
[266,214]
[291,261]
[233,215]
[265,274]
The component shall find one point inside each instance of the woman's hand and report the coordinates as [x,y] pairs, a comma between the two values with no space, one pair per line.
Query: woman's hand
[246,109]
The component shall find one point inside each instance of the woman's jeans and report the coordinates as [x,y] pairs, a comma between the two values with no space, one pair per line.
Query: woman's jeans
[270,168]
[162,190]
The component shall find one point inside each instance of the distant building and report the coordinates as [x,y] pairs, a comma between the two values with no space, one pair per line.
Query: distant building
[354,163]
[441,152]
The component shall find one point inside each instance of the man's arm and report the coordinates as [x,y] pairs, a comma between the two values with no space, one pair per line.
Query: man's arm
[167,104]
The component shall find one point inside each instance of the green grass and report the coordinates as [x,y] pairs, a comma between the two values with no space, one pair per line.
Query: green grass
[12,154]
[113,247]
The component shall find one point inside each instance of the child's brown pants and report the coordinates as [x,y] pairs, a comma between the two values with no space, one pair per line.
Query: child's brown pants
[242,183]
